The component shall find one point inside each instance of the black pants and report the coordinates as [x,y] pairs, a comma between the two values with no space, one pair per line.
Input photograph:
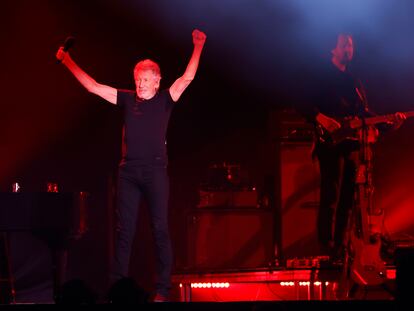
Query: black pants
[134,183]
[338,165]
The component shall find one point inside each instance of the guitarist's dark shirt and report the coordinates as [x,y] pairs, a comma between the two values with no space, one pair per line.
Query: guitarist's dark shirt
[334,93]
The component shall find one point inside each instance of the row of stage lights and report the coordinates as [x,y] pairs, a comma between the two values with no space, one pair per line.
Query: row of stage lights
[303,283]
[210,285]
[227,284]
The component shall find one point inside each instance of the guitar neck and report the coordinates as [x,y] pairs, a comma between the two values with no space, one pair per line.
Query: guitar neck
[385,118]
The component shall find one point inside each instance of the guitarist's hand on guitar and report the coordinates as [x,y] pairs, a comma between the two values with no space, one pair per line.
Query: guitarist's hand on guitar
[398,120]
[355,122]
[327,123]
[373,134]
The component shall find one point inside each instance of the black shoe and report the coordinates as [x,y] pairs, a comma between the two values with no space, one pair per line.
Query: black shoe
[338,256]
[160,298]
[325,250]
[127,291]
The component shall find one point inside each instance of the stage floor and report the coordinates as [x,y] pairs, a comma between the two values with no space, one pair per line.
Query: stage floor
[281,284]
[226,306]
[260,289]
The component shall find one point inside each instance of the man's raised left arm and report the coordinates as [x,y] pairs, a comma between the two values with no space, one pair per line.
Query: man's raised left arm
[179,86]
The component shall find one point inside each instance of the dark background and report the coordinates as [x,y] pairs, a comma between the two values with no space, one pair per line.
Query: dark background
[258,58]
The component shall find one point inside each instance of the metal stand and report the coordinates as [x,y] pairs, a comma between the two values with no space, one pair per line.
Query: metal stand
[363,266]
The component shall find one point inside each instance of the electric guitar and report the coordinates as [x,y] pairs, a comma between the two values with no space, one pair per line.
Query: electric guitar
[367,267]
[349,127]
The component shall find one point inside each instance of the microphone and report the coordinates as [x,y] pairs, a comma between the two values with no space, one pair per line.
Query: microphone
[69,42]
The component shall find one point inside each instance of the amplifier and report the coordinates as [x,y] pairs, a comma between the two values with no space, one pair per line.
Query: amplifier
[299,188]
[229,198]
[221,239]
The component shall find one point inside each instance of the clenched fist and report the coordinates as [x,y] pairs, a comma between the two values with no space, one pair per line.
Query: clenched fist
[199,37]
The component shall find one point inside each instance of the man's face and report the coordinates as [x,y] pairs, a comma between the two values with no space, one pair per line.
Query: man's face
[147,83]
[344,50]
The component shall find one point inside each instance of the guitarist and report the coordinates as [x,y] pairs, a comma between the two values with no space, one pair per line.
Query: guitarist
[336,97]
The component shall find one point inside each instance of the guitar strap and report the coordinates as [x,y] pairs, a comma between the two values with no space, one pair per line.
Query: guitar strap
[360,90]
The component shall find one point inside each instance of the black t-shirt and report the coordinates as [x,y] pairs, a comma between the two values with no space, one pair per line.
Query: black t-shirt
[338,95]
[145,127]
[335,94]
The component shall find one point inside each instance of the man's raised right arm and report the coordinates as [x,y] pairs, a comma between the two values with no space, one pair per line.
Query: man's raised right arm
[106,92]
